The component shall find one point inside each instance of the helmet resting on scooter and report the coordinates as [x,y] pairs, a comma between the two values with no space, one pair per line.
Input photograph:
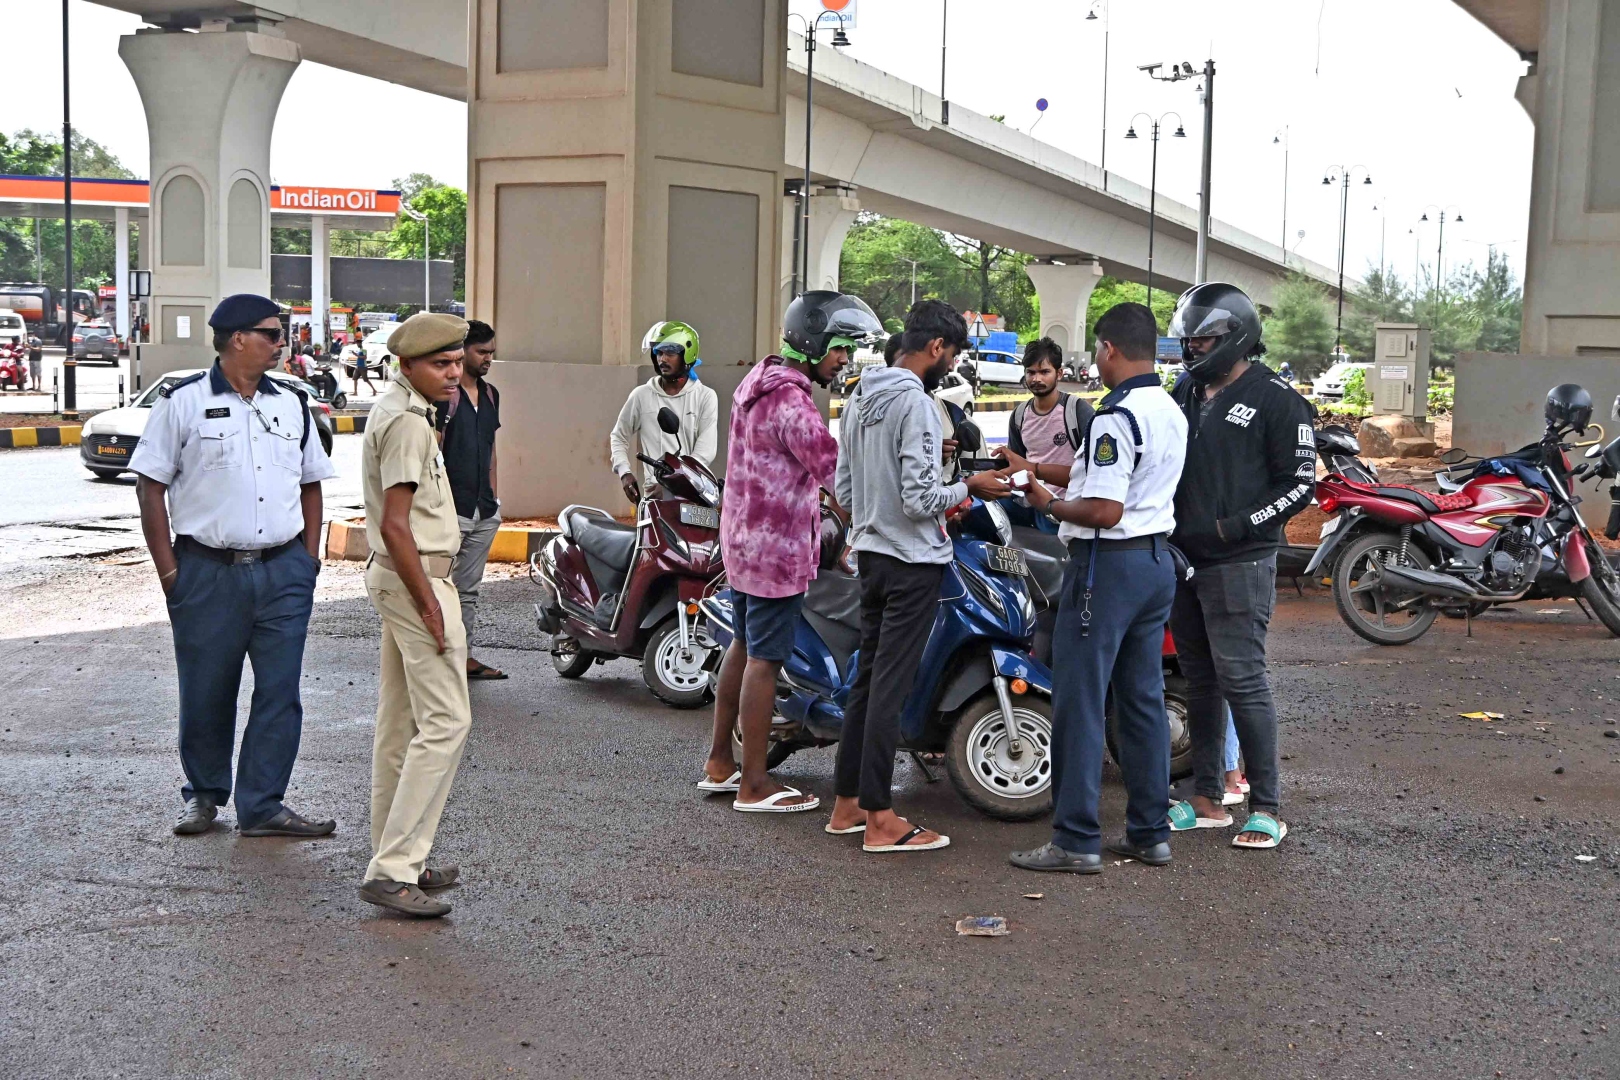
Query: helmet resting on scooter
[822,319]
[1216,309]
[1569,405]
[672,336]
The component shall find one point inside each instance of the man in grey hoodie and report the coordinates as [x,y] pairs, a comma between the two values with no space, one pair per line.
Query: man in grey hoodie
[889,479]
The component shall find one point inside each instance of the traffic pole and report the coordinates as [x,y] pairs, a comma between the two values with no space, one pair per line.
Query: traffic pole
[70,389]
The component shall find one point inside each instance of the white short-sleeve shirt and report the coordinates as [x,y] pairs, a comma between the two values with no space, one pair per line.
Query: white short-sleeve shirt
[234,466]
[1114,467]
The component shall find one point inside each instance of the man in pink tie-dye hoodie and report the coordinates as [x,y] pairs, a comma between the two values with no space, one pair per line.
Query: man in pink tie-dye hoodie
[779,458]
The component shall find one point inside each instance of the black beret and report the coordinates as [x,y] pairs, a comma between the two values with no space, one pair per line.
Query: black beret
[242,311]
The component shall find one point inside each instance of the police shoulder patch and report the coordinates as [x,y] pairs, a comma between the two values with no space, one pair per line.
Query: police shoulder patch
[1107,452]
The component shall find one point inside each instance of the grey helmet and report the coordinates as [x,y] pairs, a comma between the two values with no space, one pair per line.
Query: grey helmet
[822,319]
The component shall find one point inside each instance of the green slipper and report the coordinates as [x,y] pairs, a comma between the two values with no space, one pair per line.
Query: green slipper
[1262,822]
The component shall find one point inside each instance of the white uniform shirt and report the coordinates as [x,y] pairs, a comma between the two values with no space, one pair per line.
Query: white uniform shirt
[1113,468]
[232,483]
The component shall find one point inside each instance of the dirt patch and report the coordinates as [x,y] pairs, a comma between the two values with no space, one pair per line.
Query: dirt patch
[16,420]
[1305,527]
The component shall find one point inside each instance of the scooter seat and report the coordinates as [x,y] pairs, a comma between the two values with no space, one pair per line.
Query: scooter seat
[832,607]
[610,542]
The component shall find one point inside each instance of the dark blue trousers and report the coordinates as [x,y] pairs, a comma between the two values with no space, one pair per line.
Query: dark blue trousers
[221,614]
[1130,601]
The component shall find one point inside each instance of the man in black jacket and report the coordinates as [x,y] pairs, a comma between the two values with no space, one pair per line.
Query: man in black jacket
[1251,465]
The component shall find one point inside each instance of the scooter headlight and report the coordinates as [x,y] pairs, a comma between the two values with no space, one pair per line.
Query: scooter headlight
[998,517]
[983,591]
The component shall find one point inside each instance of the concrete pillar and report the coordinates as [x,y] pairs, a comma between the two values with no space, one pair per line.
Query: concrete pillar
[320,299]
[1571,302]
[625,166]
[210,100]
[1065,292]
[832,215]
[121,270]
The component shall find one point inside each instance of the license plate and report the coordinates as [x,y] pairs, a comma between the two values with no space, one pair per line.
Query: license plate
[1007,560]
[704,517]
[114,451]
[1328,526]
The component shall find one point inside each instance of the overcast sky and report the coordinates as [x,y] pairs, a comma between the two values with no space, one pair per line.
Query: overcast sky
[1415,90]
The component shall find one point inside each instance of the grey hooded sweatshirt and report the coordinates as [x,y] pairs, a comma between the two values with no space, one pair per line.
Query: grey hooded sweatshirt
[888,469]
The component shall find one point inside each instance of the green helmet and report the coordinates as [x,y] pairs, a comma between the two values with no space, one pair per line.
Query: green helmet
[672,332]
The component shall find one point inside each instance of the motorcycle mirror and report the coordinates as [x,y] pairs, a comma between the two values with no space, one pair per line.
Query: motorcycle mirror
[1614,412]
[1455,456]
[968,437]
[668,422]
[1595,450]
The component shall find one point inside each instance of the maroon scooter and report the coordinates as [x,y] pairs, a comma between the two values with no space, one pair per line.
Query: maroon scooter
[611,590]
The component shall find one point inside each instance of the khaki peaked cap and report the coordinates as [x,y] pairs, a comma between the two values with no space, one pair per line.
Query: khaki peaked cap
[427,332]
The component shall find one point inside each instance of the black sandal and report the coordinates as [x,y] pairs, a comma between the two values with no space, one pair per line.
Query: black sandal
[484,671]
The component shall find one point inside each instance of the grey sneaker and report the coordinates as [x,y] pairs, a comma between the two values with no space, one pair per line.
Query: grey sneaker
[197,817]
[1055,860]
[404,898]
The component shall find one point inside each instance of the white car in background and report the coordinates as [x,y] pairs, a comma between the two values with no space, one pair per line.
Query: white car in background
[997,368]
[956,390]
[13,331]
[1329,386]
[375,345]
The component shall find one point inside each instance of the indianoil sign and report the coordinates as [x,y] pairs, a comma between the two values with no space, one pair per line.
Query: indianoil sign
[335,200]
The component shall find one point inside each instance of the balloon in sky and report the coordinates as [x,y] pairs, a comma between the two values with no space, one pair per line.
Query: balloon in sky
[1040,104]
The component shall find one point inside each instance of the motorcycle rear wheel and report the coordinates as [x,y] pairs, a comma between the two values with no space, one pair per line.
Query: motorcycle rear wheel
[569,657]
[1601,589]
[1365,607]
[982,771]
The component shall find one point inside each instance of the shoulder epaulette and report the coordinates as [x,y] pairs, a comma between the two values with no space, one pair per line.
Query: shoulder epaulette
[187,381]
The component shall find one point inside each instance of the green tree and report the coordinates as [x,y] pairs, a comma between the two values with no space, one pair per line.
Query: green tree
[1111,291]
[1299,330]
[446,210]
[1497,305]
[1383,298]
[32,249]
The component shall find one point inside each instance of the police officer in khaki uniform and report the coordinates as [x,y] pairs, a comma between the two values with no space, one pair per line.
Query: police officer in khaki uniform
[422,710]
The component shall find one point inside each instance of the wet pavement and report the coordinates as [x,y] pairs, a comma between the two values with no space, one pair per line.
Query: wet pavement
[1428,916]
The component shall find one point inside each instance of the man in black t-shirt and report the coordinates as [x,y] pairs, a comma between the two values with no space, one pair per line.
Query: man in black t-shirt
[469,459]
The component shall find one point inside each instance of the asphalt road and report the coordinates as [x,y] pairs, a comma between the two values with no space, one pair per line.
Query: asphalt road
[51,504]
[1427,917]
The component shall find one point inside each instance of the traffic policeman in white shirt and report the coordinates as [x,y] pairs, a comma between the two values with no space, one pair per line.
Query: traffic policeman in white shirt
[233,452]
[1116,515]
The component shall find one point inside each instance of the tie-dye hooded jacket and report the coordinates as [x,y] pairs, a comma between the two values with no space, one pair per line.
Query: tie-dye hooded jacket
[778,456]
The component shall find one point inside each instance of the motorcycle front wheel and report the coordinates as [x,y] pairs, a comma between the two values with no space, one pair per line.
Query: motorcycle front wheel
[675,673]
[1175,710]
[1601,588]
[1381,613]
[982,767]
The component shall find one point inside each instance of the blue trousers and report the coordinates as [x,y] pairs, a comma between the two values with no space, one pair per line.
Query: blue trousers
[221,614]
[1130,601]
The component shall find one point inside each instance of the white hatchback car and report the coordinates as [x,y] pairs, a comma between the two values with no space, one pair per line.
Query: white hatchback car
[1329,386]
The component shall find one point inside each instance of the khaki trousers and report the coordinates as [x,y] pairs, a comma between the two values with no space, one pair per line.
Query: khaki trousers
[422,719]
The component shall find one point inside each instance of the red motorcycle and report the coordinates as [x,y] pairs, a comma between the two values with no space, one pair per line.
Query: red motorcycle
[612,590]
[14,366]
[1399,555]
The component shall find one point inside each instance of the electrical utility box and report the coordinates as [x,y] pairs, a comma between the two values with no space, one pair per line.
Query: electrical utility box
[1399,377]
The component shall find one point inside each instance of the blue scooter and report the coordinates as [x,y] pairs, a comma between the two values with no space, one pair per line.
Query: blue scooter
[980,697]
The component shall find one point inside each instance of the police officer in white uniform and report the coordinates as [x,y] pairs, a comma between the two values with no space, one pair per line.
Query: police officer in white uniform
[1116,515]
[235,454]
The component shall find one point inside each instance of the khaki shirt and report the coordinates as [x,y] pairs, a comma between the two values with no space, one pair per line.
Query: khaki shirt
[401,448]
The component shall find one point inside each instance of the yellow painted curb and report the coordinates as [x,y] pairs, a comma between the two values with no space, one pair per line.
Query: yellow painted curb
[346,540]
[20,437]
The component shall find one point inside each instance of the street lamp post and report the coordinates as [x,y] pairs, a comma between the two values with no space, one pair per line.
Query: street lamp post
[1440,250]
[1342,175]
[1281,138]
[801,227]
[1153,184]
[913,263]
[427,266]
[70,402]
[1178,72]
[944,22]
[1091,16]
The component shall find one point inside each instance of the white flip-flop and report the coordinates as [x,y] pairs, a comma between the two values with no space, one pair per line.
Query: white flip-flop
[917,830]
[1232,798]
[732,784]
[772,804]
[851,831]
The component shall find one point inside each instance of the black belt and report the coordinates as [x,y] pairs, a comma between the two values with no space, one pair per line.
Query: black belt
[187,546]
[1134,543]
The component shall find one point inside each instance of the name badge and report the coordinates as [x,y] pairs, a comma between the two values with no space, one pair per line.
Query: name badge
[217,414]
[439,457]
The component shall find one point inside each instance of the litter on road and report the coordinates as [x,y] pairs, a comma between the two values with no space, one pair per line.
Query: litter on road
[982,926]
[1485,716]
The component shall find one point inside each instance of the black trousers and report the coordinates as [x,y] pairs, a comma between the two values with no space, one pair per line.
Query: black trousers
[898,603]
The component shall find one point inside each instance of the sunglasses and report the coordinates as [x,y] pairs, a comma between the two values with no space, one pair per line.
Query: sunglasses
[272,334]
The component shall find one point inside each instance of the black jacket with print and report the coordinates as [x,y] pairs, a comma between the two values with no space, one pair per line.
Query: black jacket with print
[1251,465]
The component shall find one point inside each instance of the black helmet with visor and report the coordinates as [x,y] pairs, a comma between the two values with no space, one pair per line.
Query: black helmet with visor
[1569,406]
[1218,310]
[822,319]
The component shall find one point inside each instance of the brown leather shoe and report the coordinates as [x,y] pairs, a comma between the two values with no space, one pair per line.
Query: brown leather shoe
[404,898]
[438,878]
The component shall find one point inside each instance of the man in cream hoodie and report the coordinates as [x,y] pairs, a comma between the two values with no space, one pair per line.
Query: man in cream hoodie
[673,348]
[889,479]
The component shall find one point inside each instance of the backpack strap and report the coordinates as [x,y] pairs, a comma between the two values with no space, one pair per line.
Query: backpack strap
[1019,412]
[1076,417]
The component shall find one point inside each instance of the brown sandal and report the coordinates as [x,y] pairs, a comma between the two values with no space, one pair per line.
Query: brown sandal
[403,898]
[438,879]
